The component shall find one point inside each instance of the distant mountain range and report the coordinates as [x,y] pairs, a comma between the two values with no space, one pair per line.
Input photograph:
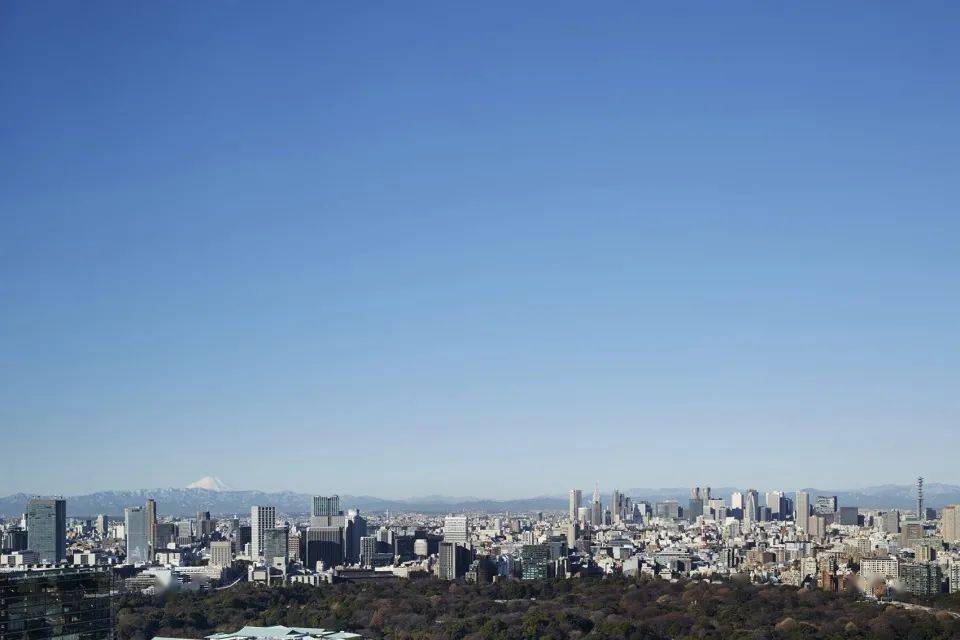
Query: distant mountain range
[227,502]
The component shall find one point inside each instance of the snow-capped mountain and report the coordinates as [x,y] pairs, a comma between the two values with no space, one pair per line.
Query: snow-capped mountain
[210,483]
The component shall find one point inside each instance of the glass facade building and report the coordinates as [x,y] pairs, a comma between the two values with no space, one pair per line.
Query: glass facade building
[47,529]
[63,604]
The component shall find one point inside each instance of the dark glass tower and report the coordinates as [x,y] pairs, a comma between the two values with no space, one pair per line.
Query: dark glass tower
[63,603]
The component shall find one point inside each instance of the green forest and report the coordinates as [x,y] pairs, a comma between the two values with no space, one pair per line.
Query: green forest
[431,609]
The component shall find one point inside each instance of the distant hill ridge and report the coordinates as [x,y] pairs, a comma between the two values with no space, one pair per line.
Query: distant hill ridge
[187,502]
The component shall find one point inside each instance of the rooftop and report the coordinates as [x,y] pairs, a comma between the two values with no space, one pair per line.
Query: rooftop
[277,632]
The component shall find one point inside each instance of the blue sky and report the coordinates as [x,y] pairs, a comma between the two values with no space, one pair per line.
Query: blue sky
[485,249]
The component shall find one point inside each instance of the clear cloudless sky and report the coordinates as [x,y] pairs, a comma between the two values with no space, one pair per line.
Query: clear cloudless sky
[493,249]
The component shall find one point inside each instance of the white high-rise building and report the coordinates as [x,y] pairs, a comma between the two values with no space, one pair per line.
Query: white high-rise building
[455,529]
[736,500]
[576,499]
[261,519]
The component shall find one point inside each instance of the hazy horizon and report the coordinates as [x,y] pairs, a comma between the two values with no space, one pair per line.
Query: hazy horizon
[402,250]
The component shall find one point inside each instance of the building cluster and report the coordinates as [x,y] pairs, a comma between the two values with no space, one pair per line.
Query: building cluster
[773,537]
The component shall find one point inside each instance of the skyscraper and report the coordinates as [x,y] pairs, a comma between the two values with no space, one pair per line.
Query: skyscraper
[325,506]
[275,546]
[138,545]
[57,604]
[596,508]
[152,527]
[325,512]
[576,498]
[261,519]
[801,509]
[47,529]
[455,529]
[825,505]
[694,505]
[751,507]
[950,521]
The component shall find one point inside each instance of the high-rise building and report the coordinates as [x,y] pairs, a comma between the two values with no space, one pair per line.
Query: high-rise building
[152,543]
[103,525]
[368,550]
[890,522]
[275,549]
[355,529]
[921,578]
[736,500]
[849,516]
[221,554]
[694,505]
[950,523]
[825,505]
[751,507]
[325,506]
[135,526]
[47,529]
[535,562]
[261,519]
[596,508]
[455,529]
[454,559]
[324,544]
[65,603]
[576,497]
[801,508]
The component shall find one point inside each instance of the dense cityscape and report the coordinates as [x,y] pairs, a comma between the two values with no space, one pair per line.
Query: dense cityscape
[796,539]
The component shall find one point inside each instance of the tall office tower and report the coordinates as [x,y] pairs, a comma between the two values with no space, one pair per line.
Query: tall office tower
[695,505]
[596,508]
[534,562]
[293,544]
[325,506]
[275,550]
[890,522]
[152,544]
[324,544]
[221,554]
[57,604]
[775,501]
[205,524]
[583,515]
[356,528]
[135,520]
[261,519]
[920,512]
[736,500]
[801,509]
[573,534]
[825,505]
[616,506]
[47,529]
[751,507]
[103,524]
[950,522]
[455,529]
[706,495]
[368,549]
[453,560]
[576,497]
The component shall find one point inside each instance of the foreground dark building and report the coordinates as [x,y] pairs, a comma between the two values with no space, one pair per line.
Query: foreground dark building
[68,603]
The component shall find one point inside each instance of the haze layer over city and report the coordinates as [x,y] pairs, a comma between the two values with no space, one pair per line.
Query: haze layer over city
[432,320]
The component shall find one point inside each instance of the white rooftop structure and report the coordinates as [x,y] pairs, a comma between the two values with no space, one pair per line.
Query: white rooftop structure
[278,632]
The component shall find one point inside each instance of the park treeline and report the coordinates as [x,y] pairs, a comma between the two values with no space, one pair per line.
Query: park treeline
[431,609]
